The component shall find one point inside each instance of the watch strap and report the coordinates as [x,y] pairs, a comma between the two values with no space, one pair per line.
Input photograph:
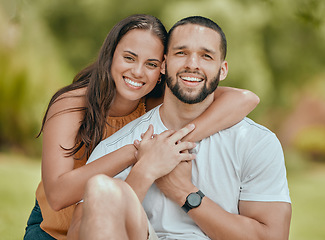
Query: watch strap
[200,193]
[186,207]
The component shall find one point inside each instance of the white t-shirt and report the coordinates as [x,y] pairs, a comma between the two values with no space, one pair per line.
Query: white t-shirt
[243,162]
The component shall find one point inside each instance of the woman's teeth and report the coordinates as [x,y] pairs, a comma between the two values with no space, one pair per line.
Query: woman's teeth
[135,84]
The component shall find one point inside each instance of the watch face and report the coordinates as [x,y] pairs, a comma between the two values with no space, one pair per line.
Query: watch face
[194,199]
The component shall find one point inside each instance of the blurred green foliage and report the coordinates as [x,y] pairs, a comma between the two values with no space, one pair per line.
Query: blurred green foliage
[311,140]
[276,48]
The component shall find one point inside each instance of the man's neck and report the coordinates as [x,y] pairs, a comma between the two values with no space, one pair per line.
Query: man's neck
[176,114]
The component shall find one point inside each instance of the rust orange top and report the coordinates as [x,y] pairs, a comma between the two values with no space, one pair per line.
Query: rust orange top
[57,223]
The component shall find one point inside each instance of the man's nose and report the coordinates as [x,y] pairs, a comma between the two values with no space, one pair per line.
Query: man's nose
[192,62]
[137,70]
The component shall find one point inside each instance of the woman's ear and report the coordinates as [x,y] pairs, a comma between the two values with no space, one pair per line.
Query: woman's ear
[223,70]
[163,65]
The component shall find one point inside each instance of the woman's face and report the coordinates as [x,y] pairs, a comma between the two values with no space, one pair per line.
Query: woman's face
[136,64]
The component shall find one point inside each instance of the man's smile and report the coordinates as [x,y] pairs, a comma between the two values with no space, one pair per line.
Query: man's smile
[192,79]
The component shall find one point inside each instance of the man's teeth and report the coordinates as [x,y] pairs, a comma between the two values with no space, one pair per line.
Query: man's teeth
[135,84]
[192,79]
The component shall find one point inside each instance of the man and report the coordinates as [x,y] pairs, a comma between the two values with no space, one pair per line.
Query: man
[236,187]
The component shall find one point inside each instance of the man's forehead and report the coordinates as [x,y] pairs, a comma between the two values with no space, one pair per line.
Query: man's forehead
[185,35]
[190,27]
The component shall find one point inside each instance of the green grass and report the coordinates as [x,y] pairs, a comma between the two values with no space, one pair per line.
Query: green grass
[20,176]
[307,190]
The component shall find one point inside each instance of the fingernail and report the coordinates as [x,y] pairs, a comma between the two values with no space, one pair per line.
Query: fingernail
[191,125]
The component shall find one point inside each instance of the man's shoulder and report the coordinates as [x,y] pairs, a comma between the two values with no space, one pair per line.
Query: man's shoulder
[133,129]
[125,135]
[247,128]
[247,123]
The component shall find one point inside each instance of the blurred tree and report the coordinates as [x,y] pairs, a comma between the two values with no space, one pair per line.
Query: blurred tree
[80,26]
[30,70]
[275,48]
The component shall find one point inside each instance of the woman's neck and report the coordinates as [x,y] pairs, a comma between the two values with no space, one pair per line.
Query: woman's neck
[121,107]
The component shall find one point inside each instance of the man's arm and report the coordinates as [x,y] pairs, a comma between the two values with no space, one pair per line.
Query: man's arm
[229,107]
[257,220]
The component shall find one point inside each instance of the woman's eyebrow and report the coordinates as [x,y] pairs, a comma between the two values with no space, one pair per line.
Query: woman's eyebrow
[153,59]
[136,55]
[132,53]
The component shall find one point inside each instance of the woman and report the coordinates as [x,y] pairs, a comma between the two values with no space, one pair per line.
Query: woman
[121,85]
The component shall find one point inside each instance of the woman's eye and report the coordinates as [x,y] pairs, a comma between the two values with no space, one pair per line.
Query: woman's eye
[152,65]
[128,58]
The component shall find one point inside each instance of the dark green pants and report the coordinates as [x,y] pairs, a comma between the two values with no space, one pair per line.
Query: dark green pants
[33,230]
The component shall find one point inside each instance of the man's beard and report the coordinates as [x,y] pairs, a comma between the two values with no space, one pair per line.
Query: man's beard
[188,98]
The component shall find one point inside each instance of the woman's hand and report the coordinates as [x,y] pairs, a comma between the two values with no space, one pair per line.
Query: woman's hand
[159,154]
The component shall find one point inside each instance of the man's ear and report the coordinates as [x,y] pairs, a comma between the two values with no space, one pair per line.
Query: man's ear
[163,65]
[223,70]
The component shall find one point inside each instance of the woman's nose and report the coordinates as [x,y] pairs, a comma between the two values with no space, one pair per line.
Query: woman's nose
[137,70]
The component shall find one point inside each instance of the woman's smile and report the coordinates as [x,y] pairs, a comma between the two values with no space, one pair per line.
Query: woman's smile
[132,83]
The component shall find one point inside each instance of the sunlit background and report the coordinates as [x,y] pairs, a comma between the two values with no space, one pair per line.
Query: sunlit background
[276,49]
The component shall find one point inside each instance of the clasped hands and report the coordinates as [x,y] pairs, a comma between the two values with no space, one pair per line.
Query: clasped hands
[167,161]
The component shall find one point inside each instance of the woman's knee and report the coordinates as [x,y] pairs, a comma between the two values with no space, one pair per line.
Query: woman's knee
[102,186]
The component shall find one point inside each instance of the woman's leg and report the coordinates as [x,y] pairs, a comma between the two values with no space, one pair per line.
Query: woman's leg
[33,230]
[112,210]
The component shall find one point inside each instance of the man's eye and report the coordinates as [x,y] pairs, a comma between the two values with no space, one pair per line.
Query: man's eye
[180,53]
[207,56]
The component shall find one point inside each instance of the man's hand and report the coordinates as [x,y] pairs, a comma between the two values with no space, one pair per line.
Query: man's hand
[158,155]
[177,184]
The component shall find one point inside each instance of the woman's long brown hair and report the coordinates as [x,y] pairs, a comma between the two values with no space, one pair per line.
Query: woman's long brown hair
[100,85]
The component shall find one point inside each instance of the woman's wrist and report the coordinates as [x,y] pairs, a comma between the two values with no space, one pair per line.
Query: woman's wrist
[130,150]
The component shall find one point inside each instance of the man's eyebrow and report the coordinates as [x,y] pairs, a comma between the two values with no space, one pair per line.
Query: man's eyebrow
[202,48]
[208,50]
[179,47]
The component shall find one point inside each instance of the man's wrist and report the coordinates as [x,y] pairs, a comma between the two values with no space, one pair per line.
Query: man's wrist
[183,195]
[193,200]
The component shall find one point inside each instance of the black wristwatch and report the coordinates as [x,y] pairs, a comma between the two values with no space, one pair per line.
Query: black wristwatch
[193,200]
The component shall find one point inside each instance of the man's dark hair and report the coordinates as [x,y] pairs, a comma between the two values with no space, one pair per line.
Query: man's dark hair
[205,22]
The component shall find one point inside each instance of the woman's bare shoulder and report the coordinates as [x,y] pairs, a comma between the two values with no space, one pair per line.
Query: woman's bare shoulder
[68,102]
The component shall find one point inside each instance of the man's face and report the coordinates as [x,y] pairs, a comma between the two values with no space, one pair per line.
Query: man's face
[193,63]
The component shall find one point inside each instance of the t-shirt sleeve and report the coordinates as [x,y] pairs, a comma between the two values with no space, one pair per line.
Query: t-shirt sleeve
[264,173]
[98,152]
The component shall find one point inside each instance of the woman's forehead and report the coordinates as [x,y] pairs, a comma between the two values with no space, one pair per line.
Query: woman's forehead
[141,41]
